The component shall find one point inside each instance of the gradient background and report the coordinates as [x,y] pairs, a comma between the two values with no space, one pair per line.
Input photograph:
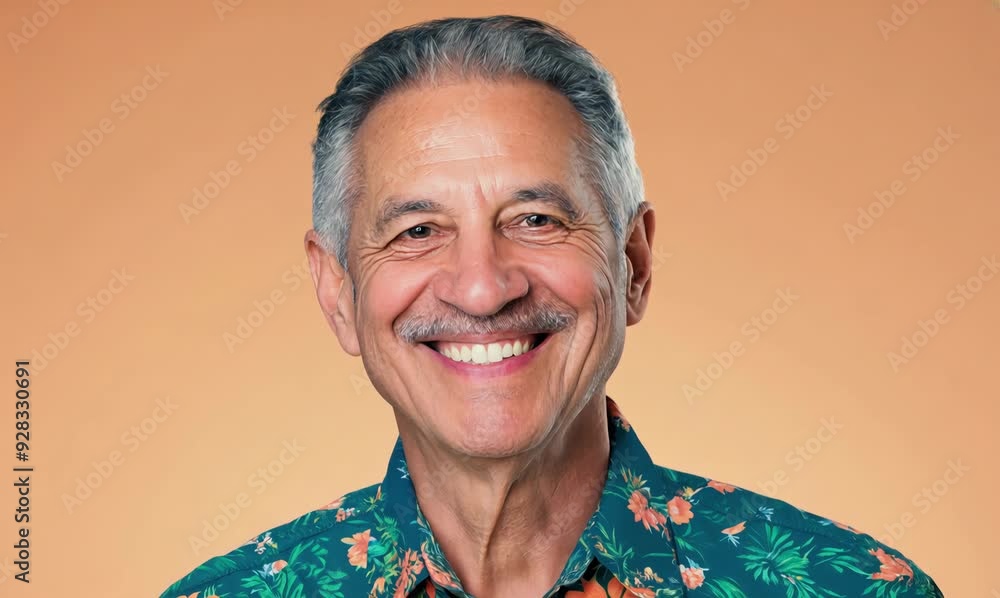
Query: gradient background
[719,263]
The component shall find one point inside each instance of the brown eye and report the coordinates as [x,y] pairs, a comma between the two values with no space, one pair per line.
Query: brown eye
[418,232]
[537,220]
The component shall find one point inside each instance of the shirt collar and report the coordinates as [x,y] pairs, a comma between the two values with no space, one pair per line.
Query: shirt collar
[631,532]
[631,520]
[399,501]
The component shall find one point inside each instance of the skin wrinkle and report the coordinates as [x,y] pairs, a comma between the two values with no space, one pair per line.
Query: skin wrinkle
[474,528]
[507,472]
[436,135]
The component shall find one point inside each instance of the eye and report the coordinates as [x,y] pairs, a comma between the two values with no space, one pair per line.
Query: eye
[539,220]
[417,232]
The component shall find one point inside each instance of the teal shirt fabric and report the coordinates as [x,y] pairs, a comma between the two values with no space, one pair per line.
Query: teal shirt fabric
[657,532]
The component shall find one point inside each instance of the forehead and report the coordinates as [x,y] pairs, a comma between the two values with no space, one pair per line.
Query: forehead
[446,138]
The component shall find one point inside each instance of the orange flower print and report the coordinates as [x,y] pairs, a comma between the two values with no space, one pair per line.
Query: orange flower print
[892,568]
[679,510]
[442,578]
[648,574]
[275,567]
[650,517]
[379,586]
[410,566]
[692,576]
[343,514]
[357,554]
[333,504]
[844,526]
[730,532]
[721,487]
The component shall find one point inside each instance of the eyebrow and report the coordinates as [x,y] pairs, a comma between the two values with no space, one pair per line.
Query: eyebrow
[552,194]
[547,192]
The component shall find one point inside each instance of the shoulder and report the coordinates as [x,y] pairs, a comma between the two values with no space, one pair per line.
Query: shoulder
[308,553]
[735,538]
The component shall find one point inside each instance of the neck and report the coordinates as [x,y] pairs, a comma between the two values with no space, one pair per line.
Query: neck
[507,526]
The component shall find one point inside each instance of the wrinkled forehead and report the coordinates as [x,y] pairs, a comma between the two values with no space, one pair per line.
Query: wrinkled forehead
[447,137]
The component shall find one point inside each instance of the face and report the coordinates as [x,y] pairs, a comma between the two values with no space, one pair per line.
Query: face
[492,297]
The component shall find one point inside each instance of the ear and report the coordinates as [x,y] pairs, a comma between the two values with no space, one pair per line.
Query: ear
[639,260]
[335,292]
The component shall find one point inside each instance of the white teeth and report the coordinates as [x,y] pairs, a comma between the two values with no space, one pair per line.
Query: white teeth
[493,352]
[484,354]
[478,354]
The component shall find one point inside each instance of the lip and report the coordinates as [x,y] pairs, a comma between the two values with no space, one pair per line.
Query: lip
[505,367]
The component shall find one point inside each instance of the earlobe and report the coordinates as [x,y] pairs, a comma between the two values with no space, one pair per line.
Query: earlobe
[335,292]
[639,259]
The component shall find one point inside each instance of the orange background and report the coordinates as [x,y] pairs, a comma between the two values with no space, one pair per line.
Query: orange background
[719,264]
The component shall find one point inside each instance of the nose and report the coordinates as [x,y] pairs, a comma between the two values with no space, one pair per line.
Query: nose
[482,275]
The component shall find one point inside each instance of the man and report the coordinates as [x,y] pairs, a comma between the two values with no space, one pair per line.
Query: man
[481,241]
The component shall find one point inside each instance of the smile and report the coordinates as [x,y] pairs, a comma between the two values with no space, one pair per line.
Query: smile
[487,353]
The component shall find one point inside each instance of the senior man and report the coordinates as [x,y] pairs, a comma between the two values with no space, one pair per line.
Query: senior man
[481,240]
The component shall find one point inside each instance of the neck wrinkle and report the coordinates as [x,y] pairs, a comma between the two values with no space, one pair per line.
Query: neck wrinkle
[515,520]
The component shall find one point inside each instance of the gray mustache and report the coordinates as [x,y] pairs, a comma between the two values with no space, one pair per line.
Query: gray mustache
[523,318]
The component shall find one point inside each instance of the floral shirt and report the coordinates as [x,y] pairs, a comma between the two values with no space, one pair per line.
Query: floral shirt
[657,532]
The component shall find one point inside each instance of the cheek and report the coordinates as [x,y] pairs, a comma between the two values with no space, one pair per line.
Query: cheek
[575,285]
[586,287]
[387,293]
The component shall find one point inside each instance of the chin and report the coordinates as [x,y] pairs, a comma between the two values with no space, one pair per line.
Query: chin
[498,433]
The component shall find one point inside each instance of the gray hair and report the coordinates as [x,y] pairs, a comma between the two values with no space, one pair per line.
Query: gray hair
[491,48]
